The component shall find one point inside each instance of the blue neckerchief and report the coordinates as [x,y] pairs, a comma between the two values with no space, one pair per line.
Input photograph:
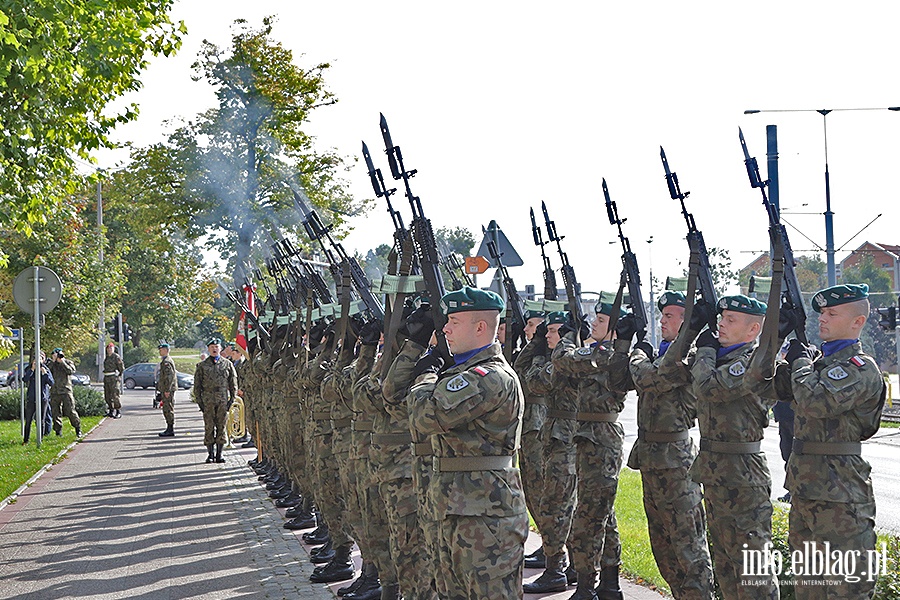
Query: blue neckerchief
[663,346]
[723,351]
[215,359]
[829,348]
[459,359]
[594,345]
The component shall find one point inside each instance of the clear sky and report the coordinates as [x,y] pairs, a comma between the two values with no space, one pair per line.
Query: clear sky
[500,105]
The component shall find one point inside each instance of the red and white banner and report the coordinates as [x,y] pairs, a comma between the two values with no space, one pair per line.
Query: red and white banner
[249,296]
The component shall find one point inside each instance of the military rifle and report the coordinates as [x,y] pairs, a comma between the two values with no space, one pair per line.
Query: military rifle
[632,274]
[791,297]
[695,242]
[322,293]
[573,289]
[239,302]
[423,237]
[515,318]
[549,273]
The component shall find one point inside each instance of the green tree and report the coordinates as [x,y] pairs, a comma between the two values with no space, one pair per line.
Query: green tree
[62,63]
[881,343]
[458,240]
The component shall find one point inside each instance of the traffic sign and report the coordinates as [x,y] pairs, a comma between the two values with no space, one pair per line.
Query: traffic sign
[476,265]
[49,290]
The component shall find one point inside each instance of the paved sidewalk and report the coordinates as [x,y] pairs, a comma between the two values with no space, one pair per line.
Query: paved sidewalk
[131,515]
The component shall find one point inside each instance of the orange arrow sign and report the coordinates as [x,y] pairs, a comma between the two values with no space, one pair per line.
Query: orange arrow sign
[476,265]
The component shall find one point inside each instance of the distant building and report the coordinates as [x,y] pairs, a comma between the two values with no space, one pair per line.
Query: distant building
[759,266]
[886,256]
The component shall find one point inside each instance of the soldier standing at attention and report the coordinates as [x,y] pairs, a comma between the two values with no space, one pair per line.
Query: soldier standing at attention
[113,367]
[664,453]
[473,411]
[837,397]
[165,387]
[62,400]
[215,386]
[731,465]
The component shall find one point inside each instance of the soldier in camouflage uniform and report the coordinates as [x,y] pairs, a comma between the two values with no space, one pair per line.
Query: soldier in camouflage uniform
[837,396]
[664,453]
[113,367]
[215,386]
[473,411]
[731,465]
[557,507]
[603,381]
[166,384]
[62,400]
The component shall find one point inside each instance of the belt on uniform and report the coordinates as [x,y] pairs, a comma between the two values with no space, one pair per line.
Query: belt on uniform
[422,449]
[663,436]
[113,374]
[835,448]
[362,425]
[730,447]
[535,401]
[342,422]
[321,416]
[444,464]
[561,414]
[393,439]
[597,417]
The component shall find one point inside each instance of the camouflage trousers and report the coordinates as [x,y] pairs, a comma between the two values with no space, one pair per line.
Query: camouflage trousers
[297,465]
[594,539]
[849,529]
[64,405]
[554,517]
[428,524]
[739,519]
[531,465]
[168,409]
[111,393]
[354,483]
[482,557]
[214,415]
[414,573]
[328,490]
[676,522]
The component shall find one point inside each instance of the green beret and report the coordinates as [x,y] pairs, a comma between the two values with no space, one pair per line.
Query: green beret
[839,294]
[213,341]
[502,319]
[670,298]
[606,308]
[162,345]
[741,303]
[469,298]
[534,314]
[557,318]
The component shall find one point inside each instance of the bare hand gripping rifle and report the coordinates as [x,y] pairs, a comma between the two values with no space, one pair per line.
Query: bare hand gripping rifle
[791,298]
[549,273]
[630,272]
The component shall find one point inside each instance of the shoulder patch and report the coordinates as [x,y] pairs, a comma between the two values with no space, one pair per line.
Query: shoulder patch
[737,369]
[586,351]
[481,371]
[837,373]
[859,362]
[457,383]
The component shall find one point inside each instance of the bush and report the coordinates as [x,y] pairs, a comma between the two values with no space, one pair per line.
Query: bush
[141,354]
[88,402]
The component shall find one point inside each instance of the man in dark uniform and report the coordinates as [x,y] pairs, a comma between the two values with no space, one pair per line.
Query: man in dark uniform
[166,384]
[113,367]
[215,386]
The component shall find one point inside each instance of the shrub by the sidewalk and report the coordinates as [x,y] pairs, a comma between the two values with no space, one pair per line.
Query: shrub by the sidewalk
[88,402]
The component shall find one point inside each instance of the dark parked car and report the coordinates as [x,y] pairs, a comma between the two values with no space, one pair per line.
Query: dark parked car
[144,375]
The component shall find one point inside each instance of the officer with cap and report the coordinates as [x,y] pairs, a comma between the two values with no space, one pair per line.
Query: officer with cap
[215,386]
[664,453]
[473,412]
[731,465]
[166,384]
[837,396]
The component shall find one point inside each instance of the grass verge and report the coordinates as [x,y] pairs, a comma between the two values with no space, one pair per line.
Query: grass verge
[637,556]
[19,463]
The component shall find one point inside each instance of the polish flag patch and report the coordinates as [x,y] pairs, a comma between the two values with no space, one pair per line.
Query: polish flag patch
[858,361]
[481,371]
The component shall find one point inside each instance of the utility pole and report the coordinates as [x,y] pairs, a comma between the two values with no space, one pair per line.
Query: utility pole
[101,340]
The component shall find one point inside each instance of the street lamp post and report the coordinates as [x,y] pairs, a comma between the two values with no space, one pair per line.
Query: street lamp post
[829,215]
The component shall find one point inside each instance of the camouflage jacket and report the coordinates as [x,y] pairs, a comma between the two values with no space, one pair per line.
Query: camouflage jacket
[364,404]
[396,389]
[62,375]
[666,403]
[729,410]
[837,398]
[472,410]
[602,382]
[535,414]
[560,392]
[168,380]
[389,461]
[112,364]
[313,376]
[215,381]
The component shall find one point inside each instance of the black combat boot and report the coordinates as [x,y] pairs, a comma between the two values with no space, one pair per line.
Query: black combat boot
[370,589]
[536,560]
[318,536]
[571,575]
[276,482]
[322,555]
[169,432]
[553,579]
[390,591]
[585,589]
[110,413]
[117,414]
[78,432]
[298,523]
[279,493]
[210,458]
[609,584]
[357,583]
[219,458]
[339,569]
[289,501]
